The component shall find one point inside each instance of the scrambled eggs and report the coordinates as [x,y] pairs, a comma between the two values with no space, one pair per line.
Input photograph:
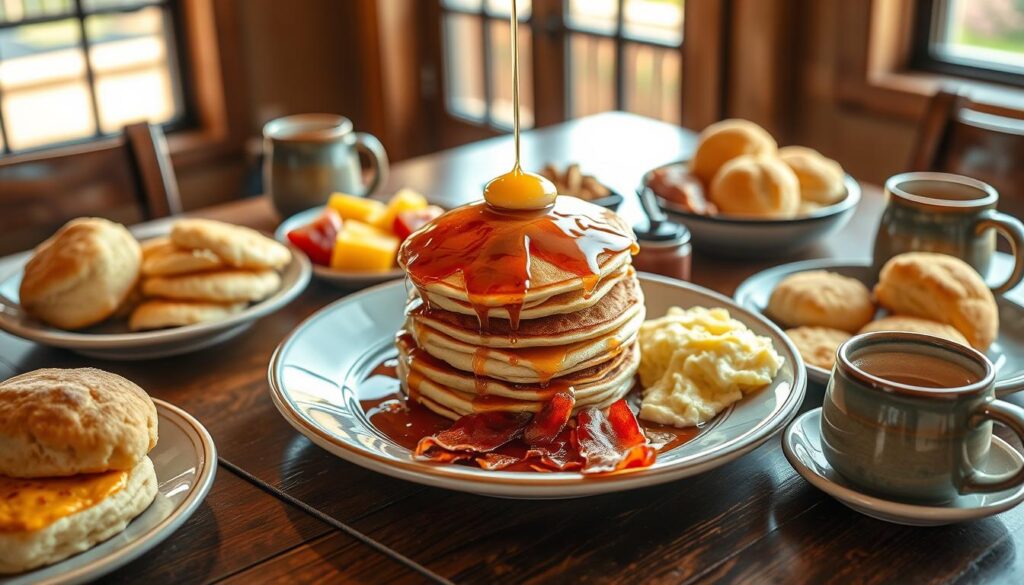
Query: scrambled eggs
[696,362]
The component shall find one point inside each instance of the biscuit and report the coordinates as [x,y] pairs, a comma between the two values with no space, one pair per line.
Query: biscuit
[168,259]
[223,286]
[756,187]
[80,275]
[238,246]
[818,345]
[158,314]
[72,534]
[941,288]
[723,141]
[818,298]
[57,423]
[820,178]
[915,325]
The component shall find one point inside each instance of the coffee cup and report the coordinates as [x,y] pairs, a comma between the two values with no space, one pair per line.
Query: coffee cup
[909,417]
[949,214]
[309,156]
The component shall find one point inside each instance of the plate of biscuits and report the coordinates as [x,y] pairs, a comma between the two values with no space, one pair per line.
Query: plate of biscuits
[117,474]
[822,303]
[173,287]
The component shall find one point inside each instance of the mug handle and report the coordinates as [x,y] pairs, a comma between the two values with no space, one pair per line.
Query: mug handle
[1012,417]
[368,144]
[1013,230]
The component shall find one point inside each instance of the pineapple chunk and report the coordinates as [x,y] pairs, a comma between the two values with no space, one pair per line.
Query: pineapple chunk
[357,208]
[403,200]
[363,248]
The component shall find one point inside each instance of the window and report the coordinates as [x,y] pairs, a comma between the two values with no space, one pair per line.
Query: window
[618,54]
[982,39]
[72,70]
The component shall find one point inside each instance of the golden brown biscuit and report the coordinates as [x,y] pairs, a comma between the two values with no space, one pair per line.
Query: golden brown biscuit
[756,187]
[915,325]
[238,246]
[820,178]
[941,288]
[158,314]
[818,345]
[167,259]
[723,141]
[818,298]
[222,286]
[82,274]
[58,423]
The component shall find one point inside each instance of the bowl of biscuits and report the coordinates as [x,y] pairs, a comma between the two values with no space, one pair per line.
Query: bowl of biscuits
[174,287]
[742,196]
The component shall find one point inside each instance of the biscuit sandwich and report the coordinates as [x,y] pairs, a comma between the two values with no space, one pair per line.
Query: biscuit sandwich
[74,469]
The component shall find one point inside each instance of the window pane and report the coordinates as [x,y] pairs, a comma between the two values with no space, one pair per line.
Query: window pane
[501,75]
[130,58]
[463,48]
[653,82]
[595,15]
[42,78]
[90,5]
[504,8]
[474,5]
[983,30]
[11,10]
[657,20]
[592,74]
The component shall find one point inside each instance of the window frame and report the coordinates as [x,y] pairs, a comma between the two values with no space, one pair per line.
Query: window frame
[179,61]
[926,20]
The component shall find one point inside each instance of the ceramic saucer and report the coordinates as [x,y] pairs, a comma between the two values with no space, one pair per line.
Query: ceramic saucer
[802,445]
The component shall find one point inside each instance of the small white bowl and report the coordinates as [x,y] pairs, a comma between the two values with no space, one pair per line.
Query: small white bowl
[339,278]
[113,341]
[752,237]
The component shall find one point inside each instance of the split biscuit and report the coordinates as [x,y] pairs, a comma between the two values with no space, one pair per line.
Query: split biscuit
[222,286]
[238,246]
[818,298]
[942,288]
[818,345]
[159,314]
[167,259]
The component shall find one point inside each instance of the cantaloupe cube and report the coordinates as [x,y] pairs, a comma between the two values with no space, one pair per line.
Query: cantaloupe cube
[363,249]
[403,200]
[363,229]
[357,208]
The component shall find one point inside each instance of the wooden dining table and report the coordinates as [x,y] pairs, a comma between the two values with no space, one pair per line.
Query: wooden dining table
[284,510]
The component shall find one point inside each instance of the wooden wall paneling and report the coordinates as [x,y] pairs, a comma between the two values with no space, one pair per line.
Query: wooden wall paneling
[705,42]
[549,63]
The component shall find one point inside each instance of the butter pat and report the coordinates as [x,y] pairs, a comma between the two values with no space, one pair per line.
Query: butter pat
[694,363]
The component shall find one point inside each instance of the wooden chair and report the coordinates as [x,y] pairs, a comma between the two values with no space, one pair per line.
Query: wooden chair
[127,178]
[956,136]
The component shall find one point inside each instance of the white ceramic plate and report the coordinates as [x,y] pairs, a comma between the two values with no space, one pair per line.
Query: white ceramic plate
[339,278]
[185,461]
[1006,353]
[802,446]
[317,372]
[113,340]
[751,237]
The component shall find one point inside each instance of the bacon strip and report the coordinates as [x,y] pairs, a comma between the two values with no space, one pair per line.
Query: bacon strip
[549,422]
[472,434]
[559,454]
[613,441]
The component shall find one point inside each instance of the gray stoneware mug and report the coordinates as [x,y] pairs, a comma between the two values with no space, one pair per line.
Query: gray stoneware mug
[914,442]
[949,214]
[309,156]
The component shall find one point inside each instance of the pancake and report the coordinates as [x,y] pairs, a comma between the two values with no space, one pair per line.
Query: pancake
[451,401]
[525,364]
[567,302]
[622,303]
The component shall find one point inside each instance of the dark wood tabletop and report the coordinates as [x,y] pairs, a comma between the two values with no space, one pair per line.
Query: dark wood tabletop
[285,510]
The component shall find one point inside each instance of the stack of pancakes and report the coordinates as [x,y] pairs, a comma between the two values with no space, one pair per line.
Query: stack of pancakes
[463,353]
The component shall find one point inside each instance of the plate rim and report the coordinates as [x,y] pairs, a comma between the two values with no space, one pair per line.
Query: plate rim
[206,451]
[556,484]
[851,497]
[52,336]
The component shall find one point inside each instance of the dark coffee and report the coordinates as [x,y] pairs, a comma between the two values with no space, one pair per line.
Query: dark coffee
[915,369]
